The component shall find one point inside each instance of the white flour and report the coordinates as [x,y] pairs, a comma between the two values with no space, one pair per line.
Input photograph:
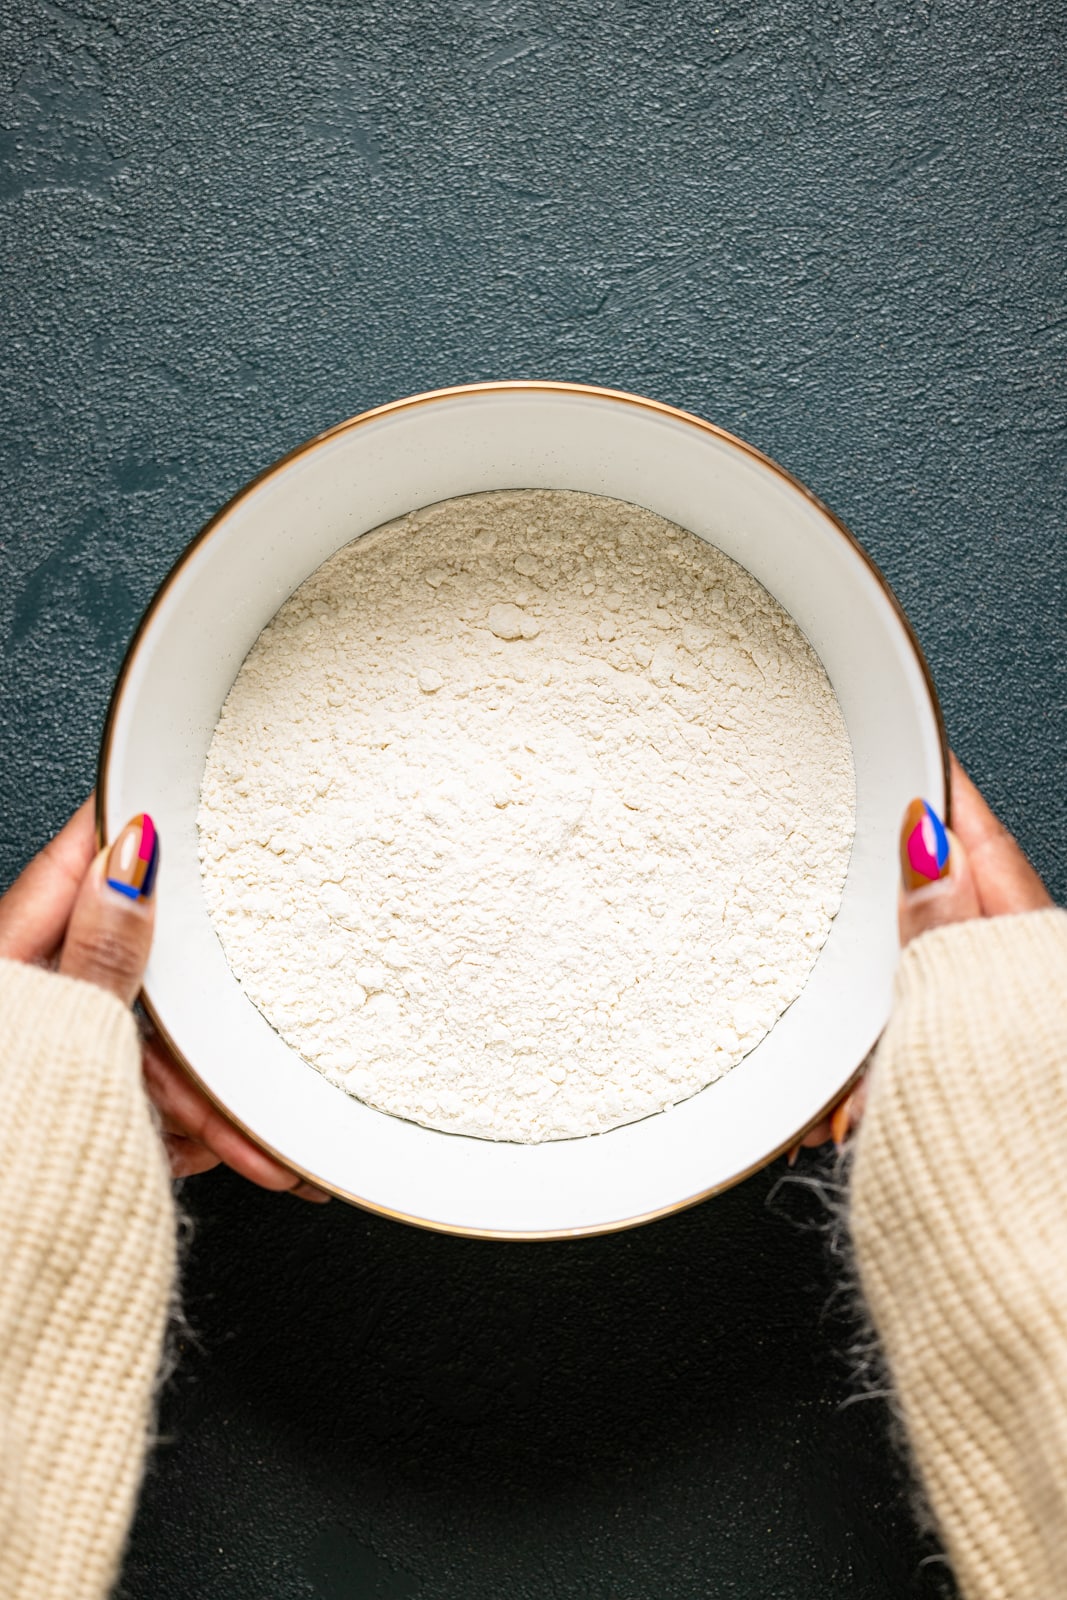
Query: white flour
[527,815]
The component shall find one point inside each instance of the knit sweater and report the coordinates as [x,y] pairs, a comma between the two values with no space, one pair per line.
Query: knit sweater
[87,1243]
[959,1224]
[959,1218]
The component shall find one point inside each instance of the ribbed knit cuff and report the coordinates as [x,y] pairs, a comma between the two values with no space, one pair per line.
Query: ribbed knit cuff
[86,1273]
[959,1222]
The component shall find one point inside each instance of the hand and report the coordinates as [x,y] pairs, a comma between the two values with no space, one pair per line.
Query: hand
[198,1136]
[91,916]
[975,870]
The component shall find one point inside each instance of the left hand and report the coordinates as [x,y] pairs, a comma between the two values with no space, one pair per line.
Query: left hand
[59,913]
[198,1137]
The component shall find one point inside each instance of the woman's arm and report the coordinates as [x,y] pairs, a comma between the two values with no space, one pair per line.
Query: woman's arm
[959,1203]
[87,1235]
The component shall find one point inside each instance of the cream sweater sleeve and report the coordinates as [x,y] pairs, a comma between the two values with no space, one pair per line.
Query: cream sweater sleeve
[959,1222]
[86,1272]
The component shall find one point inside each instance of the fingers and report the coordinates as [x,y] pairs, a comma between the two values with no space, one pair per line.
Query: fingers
[184,1107]
[36,909]
[936,888]
[308,1191]
[845,1116]
[189,1116]
[947,876]
[105,906]
[814,1137]
[110,930]
[1004,879]
[187,1158]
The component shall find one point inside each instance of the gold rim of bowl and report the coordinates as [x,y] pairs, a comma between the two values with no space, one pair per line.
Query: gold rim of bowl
[518,386]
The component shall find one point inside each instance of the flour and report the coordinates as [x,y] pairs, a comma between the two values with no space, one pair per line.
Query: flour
[526,816]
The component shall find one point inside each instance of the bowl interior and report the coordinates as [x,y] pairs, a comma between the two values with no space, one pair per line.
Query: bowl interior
[229,584]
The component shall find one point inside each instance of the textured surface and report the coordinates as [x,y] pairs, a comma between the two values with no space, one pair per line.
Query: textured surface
[835,228]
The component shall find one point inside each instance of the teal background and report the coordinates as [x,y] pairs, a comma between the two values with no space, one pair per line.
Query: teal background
[834,227]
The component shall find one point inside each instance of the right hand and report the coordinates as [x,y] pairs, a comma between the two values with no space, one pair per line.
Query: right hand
[985,874]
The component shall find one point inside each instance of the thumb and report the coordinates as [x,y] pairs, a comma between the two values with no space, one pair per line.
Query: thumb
[110,930]
[937,886]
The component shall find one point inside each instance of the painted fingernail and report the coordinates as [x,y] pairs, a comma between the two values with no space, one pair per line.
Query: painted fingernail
[924,846]
[134,857]
[840,1122]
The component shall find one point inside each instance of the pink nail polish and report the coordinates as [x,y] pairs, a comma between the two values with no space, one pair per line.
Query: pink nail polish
[134,857]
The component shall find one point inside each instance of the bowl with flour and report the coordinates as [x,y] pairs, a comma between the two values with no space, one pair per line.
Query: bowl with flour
[527,760]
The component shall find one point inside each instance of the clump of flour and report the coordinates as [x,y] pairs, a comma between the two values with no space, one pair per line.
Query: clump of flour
[527,815]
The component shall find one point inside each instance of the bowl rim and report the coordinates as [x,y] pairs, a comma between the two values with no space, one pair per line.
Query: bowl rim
[409,402]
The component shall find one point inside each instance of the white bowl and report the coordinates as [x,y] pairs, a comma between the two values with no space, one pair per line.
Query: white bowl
[231,580]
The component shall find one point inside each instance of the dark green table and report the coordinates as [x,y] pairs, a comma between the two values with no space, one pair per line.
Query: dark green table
[835,228]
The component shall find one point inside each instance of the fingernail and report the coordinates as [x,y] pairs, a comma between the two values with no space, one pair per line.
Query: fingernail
[924,846]
[791,1158]
[840,1122]
[134,857]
